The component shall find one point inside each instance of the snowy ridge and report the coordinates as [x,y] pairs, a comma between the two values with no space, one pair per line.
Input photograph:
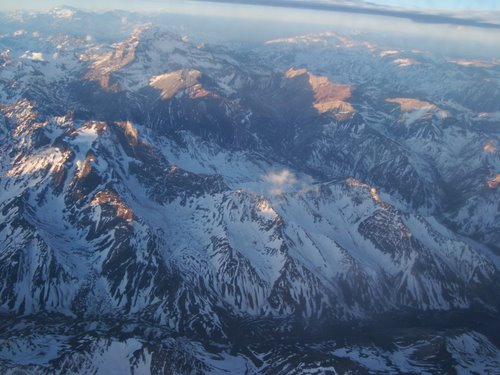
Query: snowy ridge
[254,248]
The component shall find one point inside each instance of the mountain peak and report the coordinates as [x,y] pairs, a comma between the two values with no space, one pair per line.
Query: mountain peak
[329,97]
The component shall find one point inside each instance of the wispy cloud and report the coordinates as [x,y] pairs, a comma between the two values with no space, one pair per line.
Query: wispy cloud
[280,181]
[419,14]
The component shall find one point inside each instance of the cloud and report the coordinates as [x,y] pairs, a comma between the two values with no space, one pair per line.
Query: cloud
[419,15]
[280,181]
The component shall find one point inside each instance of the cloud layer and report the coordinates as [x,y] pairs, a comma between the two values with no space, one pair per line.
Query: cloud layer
[419,15]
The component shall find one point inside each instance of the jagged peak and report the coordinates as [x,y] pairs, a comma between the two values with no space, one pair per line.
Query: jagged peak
[404,62]
[171,83]
[323,38]
[386,53]
[266,209]
[371,189]
[491,147]
[475,63]
[329,97]
[411,104]
[129,130]
[494,183]
[416,109]
[103,65]
[24,116]
[63,12]
[109,197]
[20,111]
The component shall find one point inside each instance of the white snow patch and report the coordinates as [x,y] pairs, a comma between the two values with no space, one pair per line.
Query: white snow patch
[116,360]
[20,32]
[29,164]
[474,354]
[63,13]
[33,56]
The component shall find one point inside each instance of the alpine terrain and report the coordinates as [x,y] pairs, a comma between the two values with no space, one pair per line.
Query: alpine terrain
[315,204]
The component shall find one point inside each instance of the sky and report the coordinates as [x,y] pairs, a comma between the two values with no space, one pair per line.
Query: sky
[138,4]
[484,12]
[443,4]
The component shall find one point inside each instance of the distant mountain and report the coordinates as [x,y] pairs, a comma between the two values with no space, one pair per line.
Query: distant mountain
[317,203]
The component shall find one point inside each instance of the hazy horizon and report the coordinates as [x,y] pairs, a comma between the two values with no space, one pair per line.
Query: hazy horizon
[238,21]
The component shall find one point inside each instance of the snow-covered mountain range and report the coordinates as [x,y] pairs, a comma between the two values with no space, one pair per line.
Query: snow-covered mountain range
[181,207]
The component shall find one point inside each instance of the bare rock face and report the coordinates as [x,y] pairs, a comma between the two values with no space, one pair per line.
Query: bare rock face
[328,97]
[105,64]
[181,80]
